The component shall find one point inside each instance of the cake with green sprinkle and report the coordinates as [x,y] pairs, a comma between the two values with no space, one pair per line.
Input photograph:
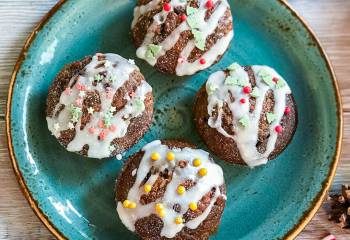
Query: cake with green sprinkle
[182,37]
[246,115]
[99,106]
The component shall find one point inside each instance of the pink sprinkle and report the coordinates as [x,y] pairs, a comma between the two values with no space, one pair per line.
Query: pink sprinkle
[278,129]
[91,130]
[132,94]
[242,100]
[275,79]
[68,91]
[79,101]
[102,135]
[329,237]
[100,124]
[180,60]
[287,110]
[112,128]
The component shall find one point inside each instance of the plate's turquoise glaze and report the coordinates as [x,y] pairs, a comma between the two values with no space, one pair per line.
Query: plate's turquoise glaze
[76,194]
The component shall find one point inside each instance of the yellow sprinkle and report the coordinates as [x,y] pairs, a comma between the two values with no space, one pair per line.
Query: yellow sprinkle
[161,213]
[170,156]
[181,189]
[132,205]
[197,162]
[159,207]
[147,188]
[193,206]
[202,172]
[178,220]
[155,156]
[126,203]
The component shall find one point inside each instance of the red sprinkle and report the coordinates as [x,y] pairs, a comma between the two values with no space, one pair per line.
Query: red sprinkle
[247,90]
[287,110]
[167,7]
[102,135]
[275,79]
[91,130]
[112,128]
[100,124]
[202,61]
[68,91]
[183,17]
[242,100]
[80,87]
[209,4]
[278,129]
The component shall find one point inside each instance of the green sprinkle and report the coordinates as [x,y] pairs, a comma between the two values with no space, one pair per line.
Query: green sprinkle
[191,10]
[98,77]
[268,79]
[263,72]
[270,117]
[231,80]
[199,39]
[233,67]
[75,113]
[152,51]
[255,93]
[211,88]
[243,82]
[244,121]
[193,21]
[112,78]
[139,105]
[280,83]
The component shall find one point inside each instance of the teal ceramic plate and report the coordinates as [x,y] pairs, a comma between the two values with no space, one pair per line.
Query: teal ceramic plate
[73,195]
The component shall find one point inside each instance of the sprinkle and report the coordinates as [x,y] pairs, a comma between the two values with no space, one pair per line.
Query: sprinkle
[270,117]
[193,21]
[242,100]
[243,82]
[155,156]
[202,172]
[209,4]
[98,77]
[80,87]
[161,213]
[255,93]
[113,128]
[79,101]
[191,10]
[159,207]
[70,125]
[102,135]
[275,80]
[68,91]
[132,205]
[170,156]
[139,105]
[108,64]
[244,121]
[268,80]
[167,7]
[131,61]
[126,203]
[280,84]
[113,109]
[231,80]
[132,94]
[91,130]
[247,90]
[196,162]
[119,157]
[112,78]
[180,60]
[100,124]
[183,17]
[234,67]
[202,61]
[153,50]
[287,110]
[278,129]
[178,220]
[211,88]
[56,126]
[199,40]
[193,206]
[111,148]
[90,110]
[75,113]
[147,188]
[181,190]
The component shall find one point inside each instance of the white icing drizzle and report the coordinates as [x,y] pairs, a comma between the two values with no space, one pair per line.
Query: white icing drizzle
[184,67]
[118,70]
[213,179]
[246,137]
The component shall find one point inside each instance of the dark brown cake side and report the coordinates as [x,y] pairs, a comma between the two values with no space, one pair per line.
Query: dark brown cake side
[226,148]
[150,227]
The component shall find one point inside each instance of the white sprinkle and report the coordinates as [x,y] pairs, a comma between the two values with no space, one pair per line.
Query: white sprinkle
[113,109]
[133,173]
[108,64]
[111,148]
[131,61]
[90,110]
[119,157]
[70,125]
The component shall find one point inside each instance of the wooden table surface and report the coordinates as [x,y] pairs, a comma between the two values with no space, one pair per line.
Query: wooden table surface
[329,19]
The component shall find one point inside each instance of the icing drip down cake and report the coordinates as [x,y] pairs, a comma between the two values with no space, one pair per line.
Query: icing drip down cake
[170,190]
[182,37]
[99,106]
[246,115]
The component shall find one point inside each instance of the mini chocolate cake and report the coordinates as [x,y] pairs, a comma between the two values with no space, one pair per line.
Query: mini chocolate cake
[170,190]
[99,106]
[182,37]
[246,115]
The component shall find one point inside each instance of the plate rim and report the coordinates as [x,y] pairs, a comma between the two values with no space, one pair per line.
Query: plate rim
[291,234]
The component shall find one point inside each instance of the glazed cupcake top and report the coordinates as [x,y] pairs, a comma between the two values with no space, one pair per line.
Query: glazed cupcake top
[201,18]
[88,108]
[233,89]
[191,177]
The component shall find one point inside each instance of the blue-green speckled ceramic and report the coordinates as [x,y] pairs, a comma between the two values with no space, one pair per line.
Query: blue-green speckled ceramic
[73,195]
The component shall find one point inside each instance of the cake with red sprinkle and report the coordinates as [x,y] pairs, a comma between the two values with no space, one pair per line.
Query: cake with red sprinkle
[246,115]
[182,37]
[171,190]
[99,106]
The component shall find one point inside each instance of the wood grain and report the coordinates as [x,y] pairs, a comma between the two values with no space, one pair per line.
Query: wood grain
[329,19]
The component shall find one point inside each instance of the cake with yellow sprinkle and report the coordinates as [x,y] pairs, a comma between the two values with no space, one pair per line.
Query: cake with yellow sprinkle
[170,190]
[182,37]
[99,106]
[246,115]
